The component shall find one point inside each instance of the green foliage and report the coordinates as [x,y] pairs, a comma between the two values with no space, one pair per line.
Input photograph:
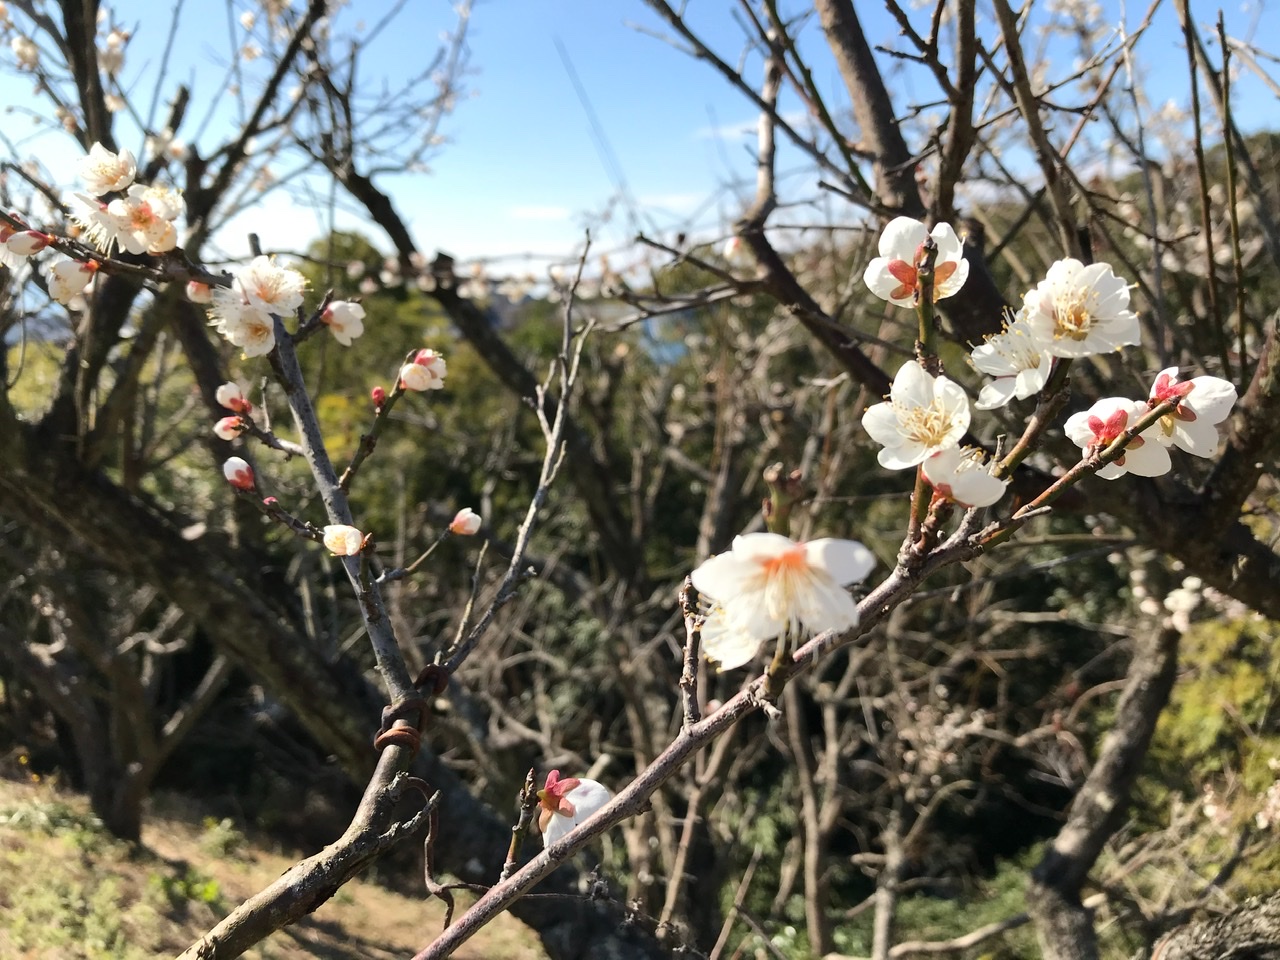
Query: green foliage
[178,890]
[221,838]
[1223,716]
[922,917]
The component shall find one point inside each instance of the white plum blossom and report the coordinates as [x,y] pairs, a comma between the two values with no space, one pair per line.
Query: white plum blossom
[243,312]
[276,289]
[343,540]
[567,802]
[105,172]
[238,473]
[93,218]
[425,372]
[1078,310]
[962,474]
[923,415]
[26,52]
[111,54]
[67,278]
[1096,428]
[344,319]
[892,275]
[198,292]
[1018,360]
[766,584]
[1203,403]
[145,218]
[465,523]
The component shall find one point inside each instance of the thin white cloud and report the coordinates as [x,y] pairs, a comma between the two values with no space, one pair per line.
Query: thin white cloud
[744,128]
[539,212]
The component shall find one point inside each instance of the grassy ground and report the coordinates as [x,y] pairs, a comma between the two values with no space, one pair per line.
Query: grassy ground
[68,890]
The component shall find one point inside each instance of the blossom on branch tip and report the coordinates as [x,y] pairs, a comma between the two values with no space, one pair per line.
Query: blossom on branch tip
[466,523]
[105,172]
[567,802]
[344,319]
[27,243]
[923,415]
[230,395]
[379,397]
[238,473]
[893,276]
[198,292]
[1203,403]
[1096,428]
[963,475]
[425,372]
[67,278]
[343,540]
[766,584]
[1078,310]
[26,52]
[1017,358]
[228,428]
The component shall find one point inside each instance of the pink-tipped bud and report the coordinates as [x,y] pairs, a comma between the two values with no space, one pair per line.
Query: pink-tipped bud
[238,473]
[466,523]
[198,292]
[228,428]
[270,502]
[230,395]
[28,242]
[378,396]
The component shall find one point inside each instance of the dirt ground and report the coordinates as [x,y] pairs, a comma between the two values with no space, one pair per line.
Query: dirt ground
[68,890]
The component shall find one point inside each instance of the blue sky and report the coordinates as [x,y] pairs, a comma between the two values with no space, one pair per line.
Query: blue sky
[522,173]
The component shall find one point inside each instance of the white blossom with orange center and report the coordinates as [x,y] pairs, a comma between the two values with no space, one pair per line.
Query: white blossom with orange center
[275,289]
[893,275]
[105,172]
[1203,403]
[1078,310]
[1017,358]
[145,218]
[766,584]
[923,415]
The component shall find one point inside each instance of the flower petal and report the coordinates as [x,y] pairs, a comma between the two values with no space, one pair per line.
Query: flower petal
[845,561]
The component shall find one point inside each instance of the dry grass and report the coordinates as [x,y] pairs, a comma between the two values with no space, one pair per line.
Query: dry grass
[67,890]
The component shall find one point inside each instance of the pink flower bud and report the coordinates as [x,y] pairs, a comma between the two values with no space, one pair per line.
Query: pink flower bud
[466,523]
[270,502]
[379,397]
[238,473]
[198,292]
[228,428]
[230,395]
[28,242]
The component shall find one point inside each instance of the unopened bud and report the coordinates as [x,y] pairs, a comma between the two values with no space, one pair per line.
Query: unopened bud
[238,473]
[379,397]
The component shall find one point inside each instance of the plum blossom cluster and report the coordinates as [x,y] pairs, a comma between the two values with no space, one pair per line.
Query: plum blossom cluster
[1200,405]
[1077,310]
[766,585]
[139,219]
[244,313]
